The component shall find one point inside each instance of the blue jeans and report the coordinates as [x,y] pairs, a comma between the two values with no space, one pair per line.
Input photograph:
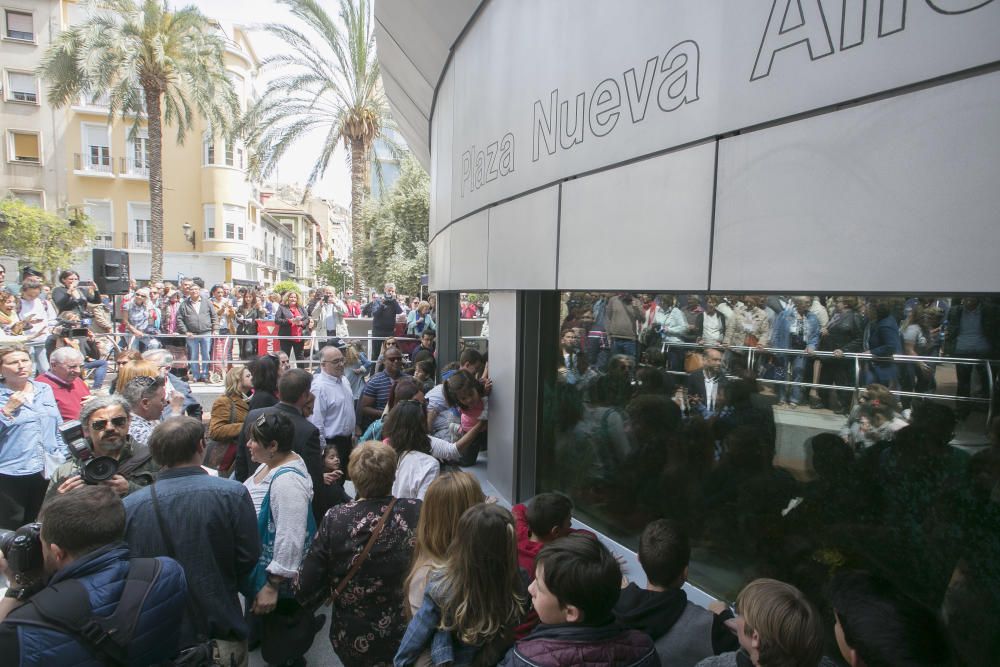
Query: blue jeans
[100,367]
[199,350]
[798,373]
[38,356]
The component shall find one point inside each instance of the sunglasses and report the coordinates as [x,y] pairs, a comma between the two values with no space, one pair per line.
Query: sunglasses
[144,381]
[101,424]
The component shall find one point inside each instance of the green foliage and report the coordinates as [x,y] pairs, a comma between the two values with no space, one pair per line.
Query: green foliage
[128,48]
[334,273]
[40,239]
[287,286]
[397,227]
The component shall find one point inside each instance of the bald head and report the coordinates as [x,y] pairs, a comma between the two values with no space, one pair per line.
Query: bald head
[332,361]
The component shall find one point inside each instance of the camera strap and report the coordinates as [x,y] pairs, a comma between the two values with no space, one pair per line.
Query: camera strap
[65,607]
[194,607]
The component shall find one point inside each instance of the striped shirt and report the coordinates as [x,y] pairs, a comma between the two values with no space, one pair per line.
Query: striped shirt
[378,388]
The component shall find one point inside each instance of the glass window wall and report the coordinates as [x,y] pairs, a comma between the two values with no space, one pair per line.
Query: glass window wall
[792,436]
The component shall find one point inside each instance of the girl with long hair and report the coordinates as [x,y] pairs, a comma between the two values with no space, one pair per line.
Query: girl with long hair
[246,316]
[405,429]
[473,602]
[229,411]
[463,391]
[446,500]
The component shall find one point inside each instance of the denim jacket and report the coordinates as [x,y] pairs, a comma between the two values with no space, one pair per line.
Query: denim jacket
[781,334]
[34,424]
[423,630]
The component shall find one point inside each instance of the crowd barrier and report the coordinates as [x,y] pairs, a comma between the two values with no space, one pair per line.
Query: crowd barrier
[753,355]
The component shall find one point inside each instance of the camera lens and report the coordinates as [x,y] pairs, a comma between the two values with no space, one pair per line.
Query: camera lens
[99,469]
[6,539]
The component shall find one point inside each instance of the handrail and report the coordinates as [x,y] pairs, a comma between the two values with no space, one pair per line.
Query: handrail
[825,354]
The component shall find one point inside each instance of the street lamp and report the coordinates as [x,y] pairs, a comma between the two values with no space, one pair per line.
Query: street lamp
[188,234]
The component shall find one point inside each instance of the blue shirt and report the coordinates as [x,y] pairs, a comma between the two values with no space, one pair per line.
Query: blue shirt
[33,431]
[378,388]
[213,526]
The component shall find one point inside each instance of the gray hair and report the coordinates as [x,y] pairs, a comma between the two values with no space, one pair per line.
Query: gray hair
[64,355]
[159,357]
[100,403]
[134,391]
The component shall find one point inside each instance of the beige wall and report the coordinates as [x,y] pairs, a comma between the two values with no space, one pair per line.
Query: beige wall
[34,117]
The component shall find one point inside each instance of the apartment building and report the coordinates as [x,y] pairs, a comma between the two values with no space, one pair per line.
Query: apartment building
[71,159]
[308,244]
[33,167]
[335,224]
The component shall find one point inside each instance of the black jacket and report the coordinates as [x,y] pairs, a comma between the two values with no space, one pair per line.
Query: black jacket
[63,300]
[305,444]
[283,318]
[384,316]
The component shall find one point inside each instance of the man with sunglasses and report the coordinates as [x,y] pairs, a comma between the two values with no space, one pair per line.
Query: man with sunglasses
[105,422]
[376,394]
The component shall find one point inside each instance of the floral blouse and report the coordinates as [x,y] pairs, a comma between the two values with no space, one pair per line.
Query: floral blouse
[369,620]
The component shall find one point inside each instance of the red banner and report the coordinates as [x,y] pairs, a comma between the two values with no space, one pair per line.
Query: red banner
[266,344]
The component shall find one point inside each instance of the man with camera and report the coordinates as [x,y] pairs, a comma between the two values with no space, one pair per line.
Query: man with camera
[102,451]
[78,598]
[384,313]
[209,525]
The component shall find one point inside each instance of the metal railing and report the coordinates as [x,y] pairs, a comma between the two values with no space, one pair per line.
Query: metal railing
[86,163]
[858,358]
[129,166]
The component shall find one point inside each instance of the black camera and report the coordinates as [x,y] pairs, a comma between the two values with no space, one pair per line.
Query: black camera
[71,329]
[23,550]
[93,469]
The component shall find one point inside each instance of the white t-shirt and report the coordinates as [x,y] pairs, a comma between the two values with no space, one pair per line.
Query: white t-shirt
[711,331]
[414,473]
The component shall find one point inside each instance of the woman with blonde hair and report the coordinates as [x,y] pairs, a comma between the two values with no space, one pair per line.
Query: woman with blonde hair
[473,602]
[228,414]
[446,500]
[133,369]
[294,326]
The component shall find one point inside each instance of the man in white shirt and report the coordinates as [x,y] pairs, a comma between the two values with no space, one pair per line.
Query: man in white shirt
[333,413]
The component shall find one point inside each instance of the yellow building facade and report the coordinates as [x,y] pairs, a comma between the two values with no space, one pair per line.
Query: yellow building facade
[73,159]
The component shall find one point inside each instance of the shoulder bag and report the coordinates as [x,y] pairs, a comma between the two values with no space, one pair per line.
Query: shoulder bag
[363,556]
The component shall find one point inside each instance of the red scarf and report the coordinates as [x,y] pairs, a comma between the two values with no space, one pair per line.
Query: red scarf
[296,328]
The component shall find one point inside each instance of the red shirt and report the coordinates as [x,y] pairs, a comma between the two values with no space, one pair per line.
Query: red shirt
[69,397]
[353,308]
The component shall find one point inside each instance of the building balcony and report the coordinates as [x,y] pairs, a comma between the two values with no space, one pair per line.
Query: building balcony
[136,241]
[103,240]
[132,168]
[88,165]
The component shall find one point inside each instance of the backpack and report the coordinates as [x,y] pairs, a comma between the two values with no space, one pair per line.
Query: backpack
[65,607]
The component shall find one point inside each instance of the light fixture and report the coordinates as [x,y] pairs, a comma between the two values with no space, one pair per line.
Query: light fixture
[188,234]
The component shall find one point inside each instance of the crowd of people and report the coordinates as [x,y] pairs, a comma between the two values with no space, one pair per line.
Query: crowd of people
[166,535]
[656,411]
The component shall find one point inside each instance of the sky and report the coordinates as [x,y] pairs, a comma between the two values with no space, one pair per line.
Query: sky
[298,160]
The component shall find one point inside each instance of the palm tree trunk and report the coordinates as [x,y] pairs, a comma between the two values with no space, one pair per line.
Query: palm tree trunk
[155,182]
[359,186]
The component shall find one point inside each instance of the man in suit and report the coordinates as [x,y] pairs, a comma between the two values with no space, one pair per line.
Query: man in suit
[296,403]
[706,386]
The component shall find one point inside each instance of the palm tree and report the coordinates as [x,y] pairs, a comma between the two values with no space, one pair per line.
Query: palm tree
[330,84]
[153,62]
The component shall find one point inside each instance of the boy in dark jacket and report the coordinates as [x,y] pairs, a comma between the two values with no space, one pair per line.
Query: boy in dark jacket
[577,582]
[684,633]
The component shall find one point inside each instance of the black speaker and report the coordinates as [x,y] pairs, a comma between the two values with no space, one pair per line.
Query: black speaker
[111,271]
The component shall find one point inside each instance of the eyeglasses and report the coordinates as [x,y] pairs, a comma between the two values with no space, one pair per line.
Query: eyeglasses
[335,362]
[101,424]
[393,359]
[144,381]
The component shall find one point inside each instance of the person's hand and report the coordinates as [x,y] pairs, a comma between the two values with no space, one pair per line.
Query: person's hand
[15,401]
[838,353]
[189,334]
[118,483]
[487,386]
[694,399]
[70,483]
[266,600]
[810,349]
[176,402]
[331,477]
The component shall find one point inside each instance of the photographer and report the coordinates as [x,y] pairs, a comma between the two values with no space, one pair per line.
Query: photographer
[384,313]
[100,606]
[104,423]
[69,333]
[73,295]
